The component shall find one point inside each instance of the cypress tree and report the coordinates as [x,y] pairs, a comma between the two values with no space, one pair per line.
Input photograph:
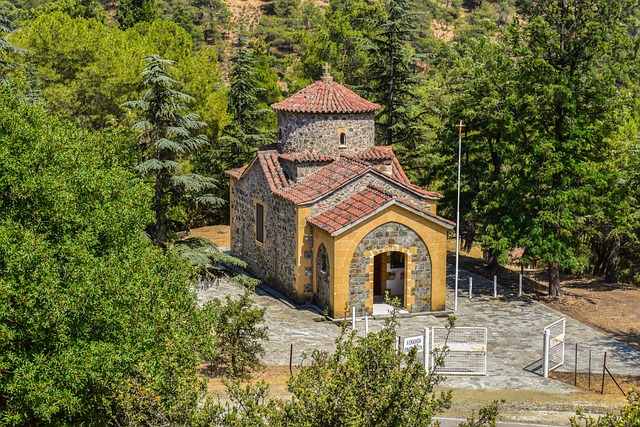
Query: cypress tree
[243,136]
[393,82]
[167,139]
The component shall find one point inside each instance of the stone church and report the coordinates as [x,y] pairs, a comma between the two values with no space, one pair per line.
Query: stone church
[326,216]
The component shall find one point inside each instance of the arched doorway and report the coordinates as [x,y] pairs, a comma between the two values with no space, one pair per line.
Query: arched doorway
[387,239]
[389,277]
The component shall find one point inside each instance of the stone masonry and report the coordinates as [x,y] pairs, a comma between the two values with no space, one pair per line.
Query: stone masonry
[302,132]
[388,235]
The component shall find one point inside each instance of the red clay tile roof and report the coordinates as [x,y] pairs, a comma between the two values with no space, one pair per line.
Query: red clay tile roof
[326,97]
[324,181]
[377,153]
[360,206]
[237,173]
[329,178]
[272,168]
[306,157]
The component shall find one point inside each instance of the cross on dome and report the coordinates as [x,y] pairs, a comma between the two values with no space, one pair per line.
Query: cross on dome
[326,77]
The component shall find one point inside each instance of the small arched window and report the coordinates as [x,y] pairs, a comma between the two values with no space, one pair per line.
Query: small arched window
[343,139]
[323,260]
[279,134]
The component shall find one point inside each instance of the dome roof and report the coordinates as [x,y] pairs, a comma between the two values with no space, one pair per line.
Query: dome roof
[326,96]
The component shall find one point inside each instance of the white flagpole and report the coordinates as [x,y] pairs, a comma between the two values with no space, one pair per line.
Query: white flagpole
[455,303]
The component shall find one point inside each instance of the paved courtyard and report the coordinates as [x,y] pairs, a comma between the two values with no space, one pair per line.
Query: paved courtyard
[514,333]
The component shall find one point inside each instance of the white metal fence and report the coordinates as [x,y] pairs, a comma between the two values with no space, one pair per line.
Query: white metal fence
[466,350]
[553,346]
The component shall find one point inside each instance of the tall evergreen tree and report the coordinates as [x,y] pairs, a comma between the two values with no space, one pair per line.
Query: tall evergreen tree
[130,12]
[244,135]
[167,139]
[7,50]
[393,80]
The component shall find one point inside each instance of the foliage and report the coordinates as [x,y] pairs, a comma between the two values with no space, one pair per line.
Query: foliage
[392,78]
[7,50]
[167,139]
[87,69]
[130,12]
[94,319]
[628,417]
[238,324]
[366,382]
[244,135]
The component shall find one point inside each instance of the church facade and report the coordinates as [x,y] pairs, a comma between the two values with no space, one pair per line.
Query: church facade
[326,216]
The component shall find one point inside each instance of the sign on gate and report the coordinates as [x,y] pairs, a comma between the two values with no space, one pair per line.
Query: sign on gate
[466,350]
[553,346]
[410,342]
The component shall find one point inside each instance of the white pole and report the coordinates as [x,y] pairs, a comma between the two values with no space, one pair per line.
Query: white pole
[455,304]
[425,350]
[353,318]
[495,286]
[545,353]
[520,285]
[470,287]
[366,325]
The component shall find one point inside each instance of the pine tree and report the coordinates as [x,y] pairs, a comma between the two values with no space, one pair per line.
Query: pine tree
[7,50]
[243,136]
[167,139]
[393,82]
[130,12]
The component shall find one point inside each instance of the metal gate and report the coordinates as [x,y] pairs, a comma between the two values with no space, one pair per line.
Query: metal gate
[465,350]
[553,346]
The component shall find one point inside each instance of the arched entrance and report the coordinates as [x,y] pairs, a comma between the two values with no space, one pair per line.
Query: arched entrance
[412,280]
[389,277]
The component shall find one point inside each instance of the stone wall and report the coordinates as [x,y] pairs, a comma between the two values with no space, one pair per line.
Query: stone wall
[391,234]
[296,171]
[320,133]
[360,184]
[323,280]
[274,261]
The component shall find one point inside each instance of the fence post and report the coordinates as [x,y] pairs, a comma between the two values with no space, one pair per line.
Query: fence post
[366,325]
[604,371]
[470,287]
[353,318]
[291,360]
[520,285]
[495,286]
[575,368]
[545,353]
[425,350]
[589,368]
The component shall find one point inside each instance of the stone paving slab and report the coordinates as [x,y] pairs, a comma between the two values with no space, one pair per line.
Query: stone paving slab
[514,325]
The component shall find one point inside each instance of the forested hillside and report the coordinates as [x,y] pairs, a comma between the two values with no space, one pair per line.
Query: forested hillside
[547,91]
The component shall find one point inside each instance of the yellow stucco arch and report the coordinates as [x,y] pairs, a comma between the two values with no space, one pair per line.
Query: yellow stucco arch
[432,234]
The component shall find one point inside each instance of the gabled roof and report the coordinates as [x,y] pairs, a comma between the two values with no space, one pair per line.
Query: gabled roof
[324,181]
[326,97]
[328,178]
[306,157]
[237,173]
[377,153]
[363,205]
